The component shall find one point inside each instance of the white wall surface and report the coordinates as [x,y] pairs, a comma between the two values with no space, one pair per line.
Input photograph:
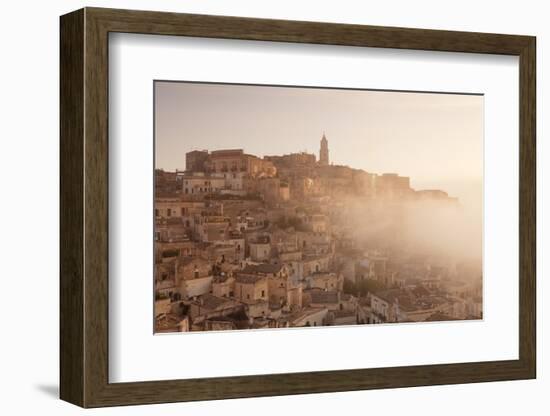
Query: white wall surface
[29,211]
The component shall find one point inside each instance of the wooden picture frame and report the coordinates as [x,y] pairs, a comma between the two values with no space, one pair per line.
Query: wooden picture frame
[84,207]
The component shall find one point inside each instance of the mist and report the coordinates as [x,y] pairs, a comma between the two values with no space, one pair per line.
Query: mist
[449,229]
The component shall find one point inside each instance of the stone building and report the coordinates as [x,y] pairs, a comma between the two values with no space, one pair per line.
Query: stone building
[251,289]
[270,189]
[392,186]
[195,160]
[235,160]
[248,242]
[210,306]
[260,249]
[309,317]
[166,183]
[293,160]
[223,286]
[328,281]
[212,229]
[192,267]
[199,184]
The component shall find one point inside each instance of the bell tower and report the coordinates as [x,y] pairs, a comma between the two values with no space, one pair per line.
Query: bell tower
[323,152]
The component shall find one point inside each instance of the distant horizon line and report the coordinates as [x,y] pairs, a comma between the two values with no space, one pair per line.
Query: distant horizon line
[316,163]
[288,154]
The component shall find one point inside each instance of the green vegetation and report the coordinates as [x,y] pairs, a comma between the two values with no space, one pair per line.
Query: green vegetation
[362,287]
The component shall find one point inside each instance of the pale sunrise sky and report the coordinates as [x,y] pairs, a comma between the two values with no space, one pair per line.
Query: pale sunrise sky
[435,139]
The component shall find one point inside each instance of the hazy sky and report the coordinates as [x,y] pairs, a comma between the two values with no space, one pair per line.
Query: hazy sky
[435,139]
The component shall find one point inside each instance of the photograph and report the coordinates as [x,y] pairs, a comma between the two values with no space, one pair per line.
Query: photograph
[289,206]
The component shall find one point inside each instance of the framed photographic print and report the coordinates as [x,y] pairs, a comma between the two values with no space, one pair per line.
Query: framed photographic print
[255,207]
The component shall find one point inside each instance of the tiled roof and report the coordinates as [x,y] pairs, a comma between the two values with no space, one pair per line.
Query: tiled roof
[324,297]
[390,295]
[303,314]
[342,314]
[213,302]
[262,268]
[421,291]
[247,279]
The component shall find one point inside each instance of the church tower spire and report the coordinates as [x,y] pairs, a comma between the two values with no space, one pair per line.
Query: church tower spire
[323,152]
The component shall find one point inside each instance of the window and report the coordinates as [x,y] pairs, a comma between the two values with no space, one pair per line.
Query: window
[168,212]
[182,211]
[157,213]
[263,293]
[248,296]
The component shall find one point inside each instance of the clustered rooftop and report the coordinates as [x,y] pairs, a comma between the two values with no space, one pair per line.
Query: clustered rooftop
[243,242]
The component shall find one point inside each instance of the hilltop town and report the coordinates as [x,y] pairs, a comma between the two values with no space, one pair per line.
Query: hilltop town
[248,242]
